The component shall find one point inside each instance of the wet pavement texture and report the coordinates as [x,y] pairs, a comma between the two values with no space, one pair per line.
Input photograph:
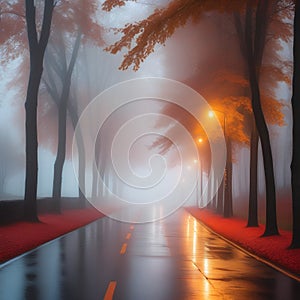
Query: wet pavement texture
[174,258]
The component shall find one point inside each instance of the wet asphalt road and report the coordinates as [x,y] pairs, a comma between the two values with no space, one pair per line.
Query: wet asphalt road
[175,258]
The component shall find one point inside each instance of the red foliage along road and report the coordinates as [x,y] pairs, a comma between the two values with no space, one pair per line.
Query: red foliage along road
[17,238]
[20,237]
[273,249]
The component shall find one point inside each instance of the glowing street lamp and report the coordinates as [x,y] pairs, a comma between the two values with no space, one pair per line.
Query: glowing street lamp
[212,113]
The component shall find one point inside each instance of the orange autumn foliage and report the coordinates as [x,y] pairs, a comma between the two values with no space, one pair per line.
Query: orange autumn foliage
[228,87]
[12,37]
[141,37]
[68,16]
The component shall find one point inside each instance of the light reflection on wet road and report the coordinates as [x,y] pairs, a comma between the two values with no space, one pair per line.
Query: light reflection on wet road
[175,258]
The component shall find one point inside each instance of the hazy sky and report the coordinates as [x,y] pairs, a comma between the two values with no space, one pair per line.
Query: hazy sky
[180,59]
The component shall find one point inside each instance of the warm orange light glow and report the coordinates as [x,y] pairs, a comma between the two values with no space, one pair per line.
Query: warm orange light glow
[200,140]
[211,114]
[195,161]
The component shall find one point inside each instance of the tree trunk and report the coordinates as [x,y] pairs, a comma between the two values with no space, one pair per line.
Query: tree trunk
[100,187]
[209,195]
[252,210]
[295,165]
[220,198]
[271,215]
[30,206]
[62,126]
[37,50]
[81,151]
[106,181]
[201,202]
[241,30]
[213,196]
[95,174]
[95,182]
[252,58]
[60,156]
[228,210]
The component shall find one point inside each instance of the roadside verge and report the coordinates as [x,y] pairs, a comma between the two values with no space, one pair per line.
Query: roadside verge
[271,250]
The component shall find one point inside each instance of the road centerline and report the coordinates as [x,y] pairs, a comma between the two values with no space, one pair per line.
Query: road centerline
[110,290]
[123,249]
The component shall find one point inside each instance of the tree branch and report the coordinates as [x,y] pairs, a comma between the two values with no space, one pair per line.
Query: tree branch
[46,26]
[31,25]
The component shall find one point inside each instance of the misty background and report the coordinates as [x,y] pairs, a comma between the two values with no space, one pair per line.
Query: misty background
[186,57]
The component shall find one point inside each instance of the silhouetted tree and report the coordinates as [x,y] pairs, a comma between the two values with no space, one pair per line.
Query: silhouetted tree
[61,57]
[35,22]
[252,33]
[62,104]
[255,36]
[161,25]
[253,205]
[295,165]
[37,45]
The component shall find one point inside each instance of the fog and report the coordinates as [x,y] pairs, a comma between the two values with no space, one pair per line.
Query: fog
[190,56]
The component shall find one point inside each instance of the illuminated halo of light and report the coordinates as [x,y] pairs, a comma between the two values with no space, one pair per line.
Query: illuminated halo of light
[123,93]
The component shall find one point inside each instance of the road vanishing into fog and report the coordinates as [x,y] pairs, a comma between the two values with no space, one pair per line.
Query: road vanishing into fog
[174,258]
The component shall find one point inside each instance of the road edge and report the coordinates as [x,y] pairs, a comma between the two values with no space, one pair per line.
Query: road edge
[255,256]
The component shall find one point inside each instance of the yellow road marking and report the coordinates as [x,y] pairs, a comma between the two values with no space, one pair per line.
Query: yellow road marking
[128,236]
[123,249]
[110,290]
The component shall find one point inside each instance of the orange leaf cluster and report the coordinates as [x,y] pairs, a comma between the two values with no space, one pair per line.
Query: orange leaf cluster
[12,36]
[109,5]
[141,37]
[69,16]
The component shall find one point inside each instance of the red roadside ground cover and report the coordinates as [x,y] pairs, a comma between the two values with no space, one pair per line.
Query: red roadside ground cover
[273,249]
[19,237]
